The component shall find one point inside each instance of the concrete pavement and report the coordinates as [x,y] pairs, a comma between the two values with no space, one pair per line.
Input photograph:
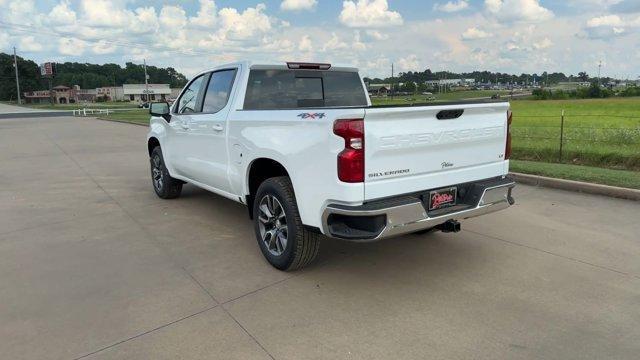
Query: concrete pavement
[94,265]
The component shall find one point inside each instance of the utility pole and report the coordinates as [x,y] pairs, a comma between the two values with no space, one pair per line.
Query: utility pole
[599,66]
[392,81]
[546,81]
[146,82]
[15,65]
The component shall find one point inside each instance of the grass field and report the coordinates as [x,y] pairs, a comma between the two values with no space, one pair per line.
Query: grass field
[135,116]
[597,132]
[621,178]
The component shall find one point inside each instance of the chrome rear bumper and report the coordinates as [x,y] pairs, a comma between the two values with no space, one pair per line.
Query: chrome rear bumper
[407,214]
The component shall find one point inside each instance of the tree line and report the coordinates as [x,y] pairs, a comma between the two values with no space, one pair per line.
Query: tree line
[482,77]
[87,76]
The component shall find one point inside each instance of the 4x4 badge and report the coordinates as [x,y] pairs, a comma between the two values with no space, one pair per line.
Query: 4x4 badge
[311,115]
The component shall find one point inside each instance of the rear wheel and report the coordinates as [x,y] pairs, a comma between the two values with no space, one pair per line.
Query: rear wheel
[164,185]
[282,238]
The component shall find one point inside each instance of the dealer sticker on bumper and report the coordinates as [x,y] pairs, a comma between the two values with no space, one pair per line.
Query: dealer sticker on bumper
[442,198]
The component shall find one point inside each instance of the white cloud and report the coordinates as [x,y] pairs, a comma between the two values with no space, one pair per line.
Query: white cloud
[296,5]
[144,21]
[474,33]
[173,17]
[610,26]
[102,47]
[277,45]
[369,13]
[103,13]
[377,35]
[71,46]
[543,44]
[518,10]
[62,14]
[242,26]
[4,40]
[206,16]
[22,6]
[20,12]
[305,44]
[29,43]
[608,20]
[334,43]
[357,44]
[409,63]
[452,6]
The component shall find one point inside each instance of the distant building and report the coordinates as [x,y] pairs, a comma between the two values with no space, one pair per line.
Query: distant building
[129,92]
[138,92]
[36,97]
[174,93]
[85,95]
[574,83]
[450,82]
[111,93]
[378,89]
[61,95]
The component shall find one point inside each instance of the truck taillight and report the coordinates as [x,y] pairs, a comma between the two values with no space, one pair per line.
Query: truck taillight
[507,149]
[351,159]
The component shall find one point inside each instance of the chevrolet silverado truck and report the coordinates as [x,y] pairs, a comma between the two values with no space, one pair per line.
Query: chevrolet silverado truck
[303,148]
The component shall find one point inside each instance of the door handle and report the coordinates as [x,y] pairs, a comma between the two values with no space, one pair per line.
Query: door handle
[185,125]
[217,127]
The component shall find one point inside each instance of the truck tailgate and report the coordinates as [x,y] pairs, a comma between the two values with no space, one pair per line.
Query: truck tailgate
[409,149]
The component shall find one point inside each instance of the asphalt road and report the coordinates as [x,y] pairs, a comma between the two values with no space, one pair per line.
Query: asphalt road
[93,265]
[13,112]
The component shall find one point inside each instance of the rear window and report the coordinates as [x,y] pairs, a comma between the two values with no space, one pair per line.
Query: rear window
[291,89]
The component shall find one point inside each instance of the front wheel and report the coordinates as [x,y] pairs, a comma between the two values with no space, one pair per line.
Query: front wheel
[164,185]
[282,238]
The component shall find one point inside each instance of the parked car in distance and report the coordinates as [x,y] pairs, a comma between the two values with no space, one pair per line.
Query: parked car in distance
[303,148]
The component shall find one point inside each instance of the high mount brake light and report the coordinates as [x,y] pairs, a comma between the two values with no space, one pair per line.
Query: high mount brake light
[351,159]
[507,148]
[308,66]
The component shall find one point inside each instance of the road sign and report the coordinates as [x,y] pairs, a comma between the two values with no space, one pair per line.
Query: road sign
[48,69]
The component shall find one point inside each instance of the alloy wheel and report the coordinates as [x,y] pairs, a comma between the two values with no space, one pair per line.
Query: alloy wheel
[272,222]
[156,172]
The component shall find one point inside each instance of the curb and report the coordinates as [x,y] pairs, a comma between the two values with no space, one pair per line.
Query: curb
[579,186]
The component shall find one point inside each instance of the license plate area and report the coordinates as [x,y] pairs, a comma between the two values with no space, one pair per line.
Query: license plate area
[442,198]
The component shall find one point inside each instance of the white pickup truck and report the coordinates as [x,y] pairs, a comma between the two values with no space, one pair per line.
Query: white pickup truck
[301,145]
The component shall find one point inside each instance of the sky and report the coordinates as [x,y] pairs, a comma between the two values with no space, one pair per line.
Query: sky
[512,36]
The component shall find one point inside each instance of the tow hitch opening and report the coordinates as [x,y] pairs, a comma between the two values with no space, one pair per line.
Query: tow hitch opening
[449,226]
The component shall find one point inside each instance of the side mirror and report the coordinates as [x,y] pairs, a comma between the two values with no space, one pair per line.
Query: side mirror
[160,109]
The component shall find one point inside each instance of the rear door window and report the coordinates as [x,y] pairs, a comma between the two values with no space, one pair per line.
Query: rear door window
[292,89]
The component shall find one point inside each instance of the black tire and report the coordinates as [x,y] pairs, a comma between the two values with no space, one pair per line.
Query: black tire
[302,245]
[164,185]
